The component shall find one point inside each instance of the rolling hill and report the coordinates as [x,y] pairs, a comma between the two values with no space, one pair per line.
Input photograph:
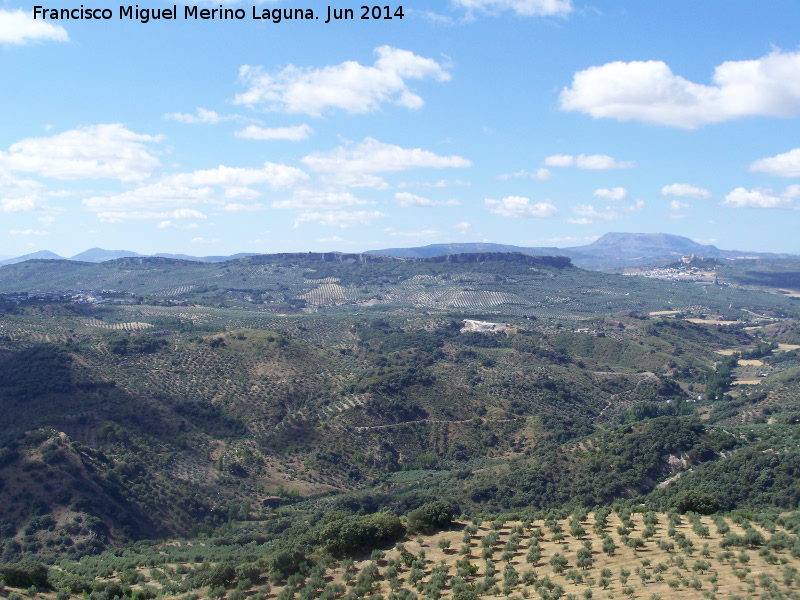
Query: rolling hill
[611,251]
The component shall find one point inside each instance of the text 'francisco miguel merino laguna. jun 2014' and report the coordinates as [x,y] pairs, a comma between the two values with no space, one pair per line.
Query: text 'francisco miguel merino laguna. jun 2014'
[194,13]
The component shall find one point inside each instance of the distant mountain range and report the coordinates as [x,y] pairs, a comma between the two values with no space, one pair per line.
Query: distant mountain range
[611,251]
[98,255]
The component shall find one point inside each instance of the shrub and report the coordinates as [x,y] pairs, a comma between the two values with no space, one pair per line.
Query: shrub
[342,535]
[431,517]
[695,501]
[24,574]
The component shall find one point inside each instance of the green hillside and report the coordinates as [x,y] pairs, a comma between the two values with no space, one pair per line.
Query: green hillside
[212,418]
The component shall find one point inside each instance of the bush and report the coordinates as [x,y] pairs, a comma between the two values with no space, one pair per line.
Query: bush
[695,501]
[342,535]
[431,517]
[286,562]
[25,574]
[224,575]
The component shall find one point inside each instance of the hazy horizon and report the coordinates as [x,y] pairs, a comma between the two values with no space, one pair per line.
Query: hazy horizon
[523,122]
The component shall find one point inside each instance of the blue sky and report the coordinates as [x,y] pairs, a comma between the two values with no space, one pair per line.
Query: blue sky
[529,122]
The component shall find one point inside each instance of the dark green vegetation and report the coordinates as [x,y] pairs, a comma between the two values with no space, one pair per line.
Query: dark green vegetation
[286,409]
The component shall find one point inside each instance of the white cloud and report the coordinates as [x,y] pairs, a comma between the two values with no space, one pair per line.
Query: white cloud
[272,174]
[93,152]
[590,213]
[183,190]
[616,194]
[349,86]
[319,200]
[793,191]
[520,207]
[783,165]
[425,234]
[20,204]
[463,225]
[292,134]
[236,207]
[19,27]
[602,162]
[202,240]
[13,186]
[685,190]
[678,205]
[440,183]
[172,225]
[241,193]
[742,198]
[202,115]
[540,174]
[560,160]
[649,91]
[594,162]
[372,156]
[354,165]
[407,200]
[157,201]
[27,232]
[637,206]
[340,218]
[523,8]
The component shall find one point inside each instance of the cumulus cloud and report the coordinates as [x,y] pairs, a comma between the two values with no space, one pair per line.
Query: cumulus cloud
[20,204]
[355,165]
[424,234]
[372,156]
[241,193]
[742,198]
[291,134]
[560,160]
[236,207]
[540,174]
[783,165]
[324,200]
[523,8]
[349,86]
[793,191]
[616,194]
[202,115]
[594,162]
[19,27]
[19,195]
[588,213]
[340,218]
[463,225]
[520,207]
[156,201]
[173,196]
[685,190]
[93,152]
[602,162]
[271,174]
[407,200]
[27,232]
[650,92]
[677,205]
